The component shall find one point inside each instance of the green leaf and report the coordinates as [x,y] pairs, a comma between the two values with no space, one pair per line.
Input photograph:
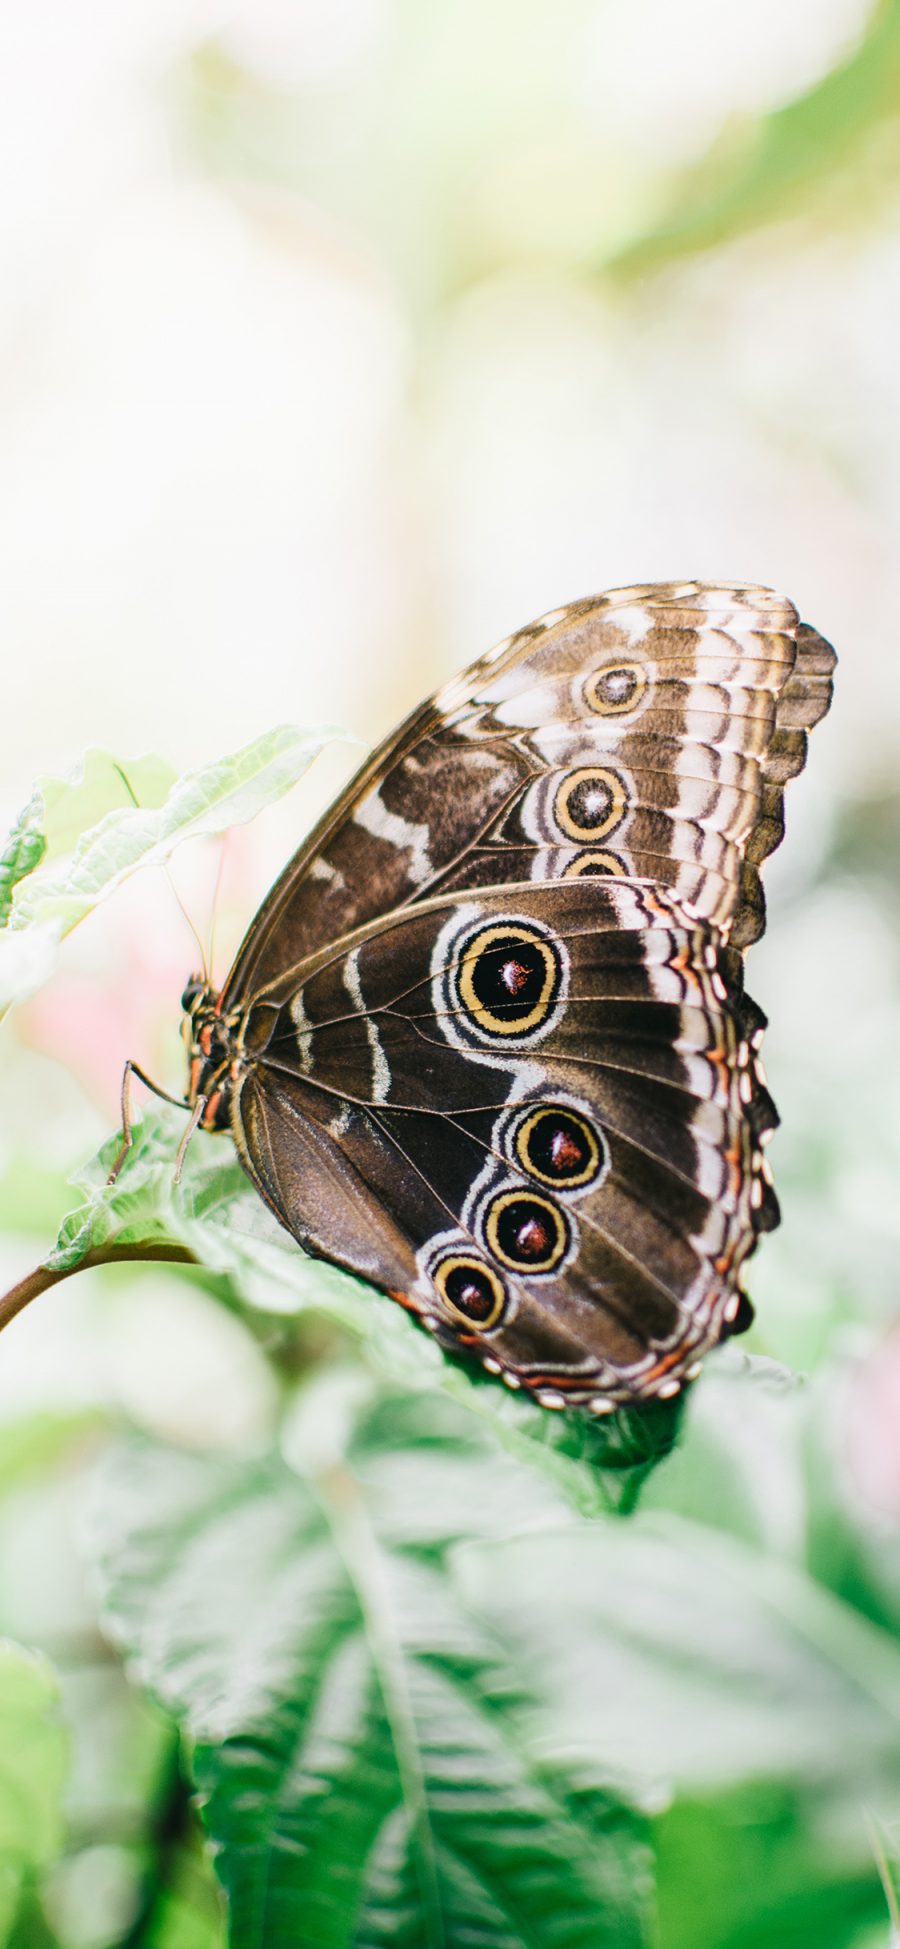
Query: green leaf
[23,851]
[364,1748]
[763,1866]
[95,836]
[32,1768]
[760,170]
[141,1207]
[663,1653]
[683,1652]
[131,1849]
[742,1464]
[98,784]
[36,1442]
[217,1217]
[188,1912]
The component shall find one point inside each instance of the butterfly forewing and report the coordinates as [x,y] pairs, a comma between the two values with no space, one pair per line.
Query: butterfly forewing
[684,709]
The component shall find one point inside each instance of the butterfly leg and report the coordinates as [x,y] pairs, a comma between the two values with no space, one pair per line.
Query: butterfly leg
[134,1069]
[196,1118]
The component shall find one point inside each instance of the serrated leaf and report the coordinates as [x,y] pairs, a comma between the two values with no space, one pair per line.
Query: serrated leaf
[32,1770]
[362,1746]
[216,1215]
[95,836]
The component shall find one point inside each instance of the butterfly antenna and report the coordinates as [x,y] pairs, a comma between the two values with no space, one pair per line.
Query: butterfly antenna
[176,895]
[217,888]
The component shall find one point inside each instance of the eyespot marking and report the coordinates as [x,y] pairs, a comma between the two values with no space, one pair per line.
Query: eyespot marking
[615,689]
[498,985]
[590,803]
[470,1290]
[558,1146]
[508,979]
[526,1232]
[595,863]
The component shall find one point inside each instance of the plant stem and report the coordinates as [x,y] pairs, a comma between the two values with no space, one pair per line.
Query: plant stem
[43,1277]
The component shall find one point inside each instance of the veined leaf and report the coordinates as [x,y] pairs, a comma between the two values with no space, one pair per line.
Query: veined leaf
[32,1768]
[362,1745]
[412,1659]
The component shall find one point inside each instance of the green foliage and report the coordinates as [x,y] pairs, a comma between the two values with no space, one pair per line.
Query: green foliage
[118,1850]
[431,1680]
[32,1769]
[80,838]
[758,1862]
[831,149]
[23,851]
[363,1746]
[766,169]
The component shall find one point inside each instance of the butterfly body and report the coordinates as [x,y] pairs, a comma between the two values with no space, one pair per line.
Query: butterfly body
[486,1043]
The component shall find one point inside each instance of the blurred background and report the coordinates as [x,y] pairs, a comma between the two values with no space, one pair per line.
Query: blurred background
[340,341]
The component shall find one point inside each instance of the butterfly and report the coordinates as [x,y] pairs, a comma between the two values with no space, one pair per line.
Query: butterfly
[486,1043]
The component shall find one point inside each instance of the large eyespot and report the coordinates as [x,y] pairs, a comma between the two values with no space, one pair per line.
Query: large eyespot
[470,1290]
[559,1146]
[508,978]
[599,863]
[589,803]
[615,689]
[526,1232]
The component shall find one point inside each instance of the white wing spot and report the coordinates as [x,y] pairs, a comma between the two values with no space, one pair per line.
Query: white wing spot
[634,623]
[305,1031]
[373,815]
[322,869]
[493,656]
[381,1074]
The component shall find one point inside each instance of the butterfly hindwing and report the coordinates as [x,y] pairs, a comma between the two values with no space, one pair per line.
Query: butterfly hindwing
[526,1113]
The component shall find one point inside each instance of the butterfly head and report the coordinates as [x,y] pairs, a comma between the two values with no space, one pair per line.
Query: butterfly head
[197,990]
[209,1042]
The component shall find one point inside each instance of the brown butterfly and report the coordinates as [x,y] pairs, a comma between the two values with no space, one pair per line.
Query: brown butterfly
[486,1042]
